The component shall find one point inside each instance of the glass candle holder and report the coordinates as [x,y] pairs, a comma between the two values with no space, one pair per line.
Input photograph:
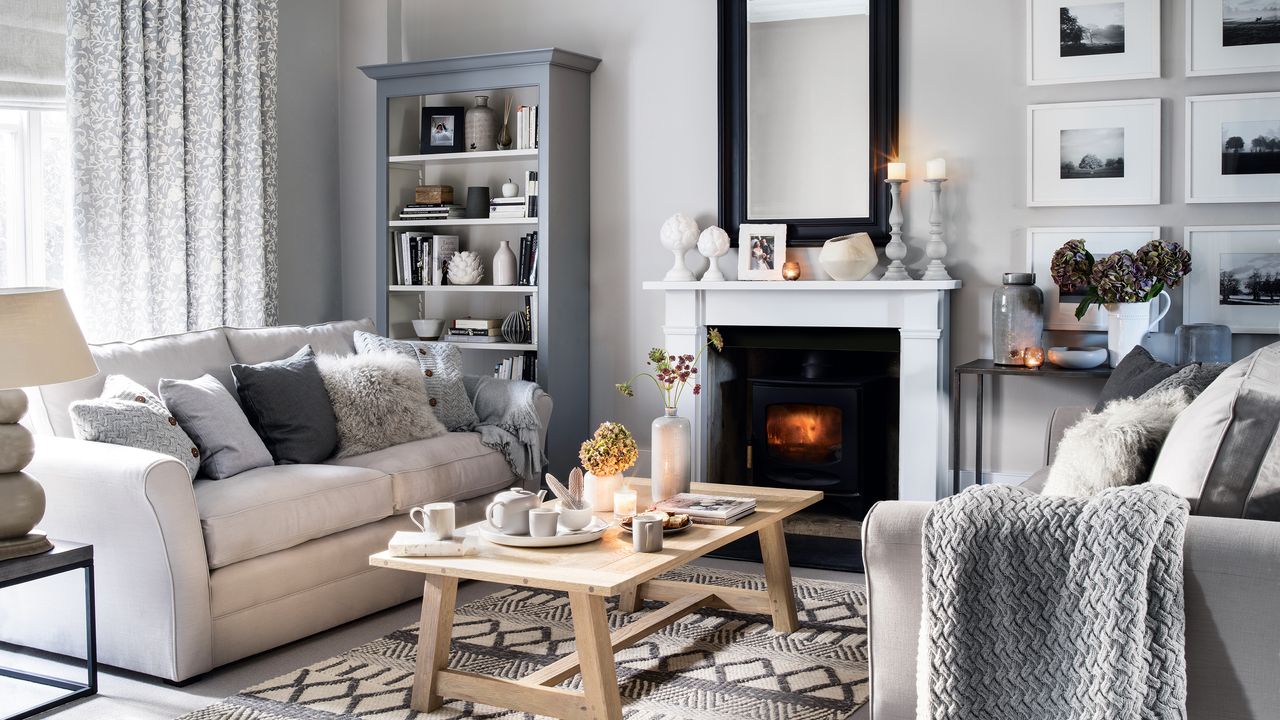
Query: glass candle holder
[624,503]
[1033,357]
[791,270]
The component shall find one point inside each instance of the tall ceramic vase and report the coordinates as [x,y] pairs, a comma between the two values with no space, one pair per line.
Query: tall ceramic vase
[1129,323]
[481,126]
[670,444]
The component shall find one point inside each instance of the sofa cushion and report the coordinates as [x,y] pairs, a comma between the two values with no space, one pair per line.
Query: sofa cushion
[441,365]
[287,404]
[1222,454]
[137,424]
[1137,373]
[276,507]
[256,345]
[454,466]
[379,401]
[212,417]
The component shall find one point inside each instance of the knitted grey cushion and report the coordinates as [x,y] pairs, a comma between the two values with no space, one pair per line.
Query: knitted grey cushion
[379,401]
[1194,377]
[210,414]
[441,366]
[143,424]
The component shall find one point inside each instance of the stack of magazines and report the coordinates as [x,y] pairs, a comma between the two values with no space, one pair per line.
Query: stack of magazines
[708,509]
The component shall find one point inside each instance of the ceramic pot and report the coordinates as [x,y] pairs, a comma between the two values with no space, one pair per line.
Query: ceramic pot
[481,126]
[670,444]
[575,519]
[848,257]
[1129,323]
[1017,318]
[599,489]
[504,265]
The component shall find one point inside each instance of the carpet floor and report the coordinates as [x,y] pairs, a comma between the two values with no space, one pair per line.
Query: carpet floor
[710,665]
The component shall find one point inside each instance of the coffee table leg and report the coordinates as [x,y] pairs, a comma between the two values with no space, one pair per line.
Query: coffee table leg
[777,575]
[599,676]
[629,600]
[439,595]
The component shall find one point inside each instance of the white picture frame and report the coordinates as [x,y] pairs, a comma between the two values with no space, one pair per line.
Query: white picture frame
[1212,120]
[1212,51]
[762,249]
[1052,60]
[1230,248]
[1124,130]
[1043,242]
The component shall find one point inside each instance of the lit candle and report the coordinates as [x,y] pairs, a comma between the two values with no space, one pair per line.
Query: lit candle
[791,270]
[935,169]
[1033,357]
[624,502]
[897,171]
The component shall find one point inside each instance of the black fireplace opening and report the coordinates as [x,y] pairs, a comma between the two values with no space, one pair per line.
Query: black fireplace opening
[813,409]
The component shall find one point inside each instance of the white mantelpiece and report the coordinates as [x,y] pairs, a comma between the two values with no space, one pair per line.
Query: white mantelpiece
[918,309]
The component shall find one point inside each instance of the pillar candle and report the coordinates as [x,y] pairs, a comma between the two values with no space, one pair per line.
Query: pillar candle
[624,503]
[936,169]
[897,171]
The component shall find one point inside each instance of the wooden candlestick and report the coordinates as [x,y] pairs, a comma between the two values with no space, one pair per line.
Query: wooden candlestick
[896,250]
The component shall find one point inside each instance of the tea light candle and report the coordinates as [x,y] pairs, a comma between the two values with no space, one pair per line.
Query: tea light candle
[624,503]
[1033,357]
[936,169]
[791,270]
[897,171]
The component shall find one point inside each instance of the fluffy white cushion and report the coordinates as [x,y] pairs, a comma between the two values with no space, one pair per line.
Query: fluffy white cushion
[379,400]
[1116,446]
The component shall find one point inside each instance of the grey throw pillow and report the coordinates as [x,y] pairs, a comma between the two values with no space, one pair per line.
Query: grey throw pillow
[212,417]
[1116,446]
[1137,373]
[287,404]
[138,420]
[1194,377]
[441,367]
[379,401]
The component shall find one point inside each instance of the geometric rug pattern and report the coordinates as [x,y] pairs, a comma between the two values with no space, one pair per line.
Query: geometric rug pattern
[710,665]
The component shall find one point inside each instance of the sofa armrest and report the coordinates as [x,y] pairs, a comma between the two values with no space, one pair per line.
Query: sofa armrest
[1061,419]
[542,403]
[138,510]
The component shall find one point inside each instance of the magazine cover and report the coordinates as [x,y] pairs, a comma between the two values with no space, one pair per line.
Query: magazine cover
[706,505]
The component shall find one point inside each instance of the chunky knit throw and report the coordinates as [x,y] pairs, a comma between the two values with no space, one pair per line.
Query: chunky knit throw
[1054,608]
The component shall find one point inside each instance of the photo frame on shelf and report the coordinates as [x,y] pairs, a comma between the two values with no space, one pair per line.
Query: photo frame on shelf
[1236,280]
[762,249]
[1060,305]
[442,130]
[1094,153]
[1073,41]
[1226,37]
[1233,148]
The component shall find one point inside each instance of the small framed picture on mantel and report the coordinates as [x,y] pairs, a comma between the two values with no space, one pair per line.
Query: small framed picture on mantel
[1071,41]
[762,249]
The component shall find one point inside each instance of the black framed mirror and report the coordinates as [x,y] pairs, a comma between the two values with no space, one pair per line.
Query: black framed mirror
[808,115]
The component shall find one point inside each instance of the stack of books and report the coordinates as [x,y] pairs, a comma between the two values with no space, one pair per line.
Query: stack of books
[708,509]
[475,330]
[507,207]
[527,260]
[422,211]
[531,193]
[517,367]
[419,258]
[526,127]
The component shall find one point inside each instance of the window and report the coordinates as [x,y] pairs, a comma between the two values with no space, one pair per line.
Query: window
[35,196]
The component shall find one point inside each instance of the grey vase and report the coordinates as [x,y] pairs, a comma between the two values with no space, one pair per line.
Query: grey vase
[481,126]
[515,329]
[1017,318]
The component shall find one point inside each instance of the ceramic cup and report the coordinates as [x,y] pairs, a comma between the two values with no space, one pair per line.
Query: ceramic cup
[435,520]
[646,532]
[542,522]
[573,520]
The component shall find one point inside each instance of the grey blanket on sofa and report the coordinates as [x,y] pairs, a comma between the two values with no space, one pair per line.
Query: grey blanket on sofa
[1054,608]
[509,422]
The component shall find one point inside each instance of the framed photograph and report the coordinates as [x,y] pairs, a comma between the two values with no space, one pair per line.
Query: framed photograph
[442,130]
[1235,277]
[1233,148]
[1225,37]
[1094,153]
[761,251]
[1071,41]
[1060,303]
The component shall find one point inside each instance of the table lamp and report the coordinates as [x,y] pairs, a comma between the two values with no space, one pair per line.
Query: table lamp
[40,344]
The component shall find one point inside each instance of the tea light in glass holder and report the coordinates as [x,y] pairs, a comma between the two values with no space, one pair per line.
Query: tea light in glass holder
[624,502]
[791,270]
[1033,357]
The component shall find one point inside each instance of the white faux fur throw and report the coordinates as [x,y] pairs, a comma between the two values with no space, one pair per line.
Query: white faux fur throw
[1114,447]
[379,401]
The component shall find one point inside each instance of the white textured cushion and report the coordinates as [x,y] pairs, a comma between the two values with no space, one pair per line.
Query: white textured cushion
[441,366]
[379,401]
[272,508]
[258,345]
[454,466]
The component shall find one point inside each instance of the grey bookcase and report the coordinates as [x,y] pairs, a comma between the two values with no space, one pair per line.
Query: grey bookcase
[559,83]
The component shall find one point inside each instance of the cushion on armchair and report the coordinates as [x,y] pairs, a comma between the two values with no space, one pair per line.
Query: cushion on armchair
[1137,373]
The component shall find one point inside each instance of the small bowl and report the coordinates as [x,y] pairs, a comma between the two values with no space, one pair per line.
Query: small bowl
[428,329]
[1077,358]
[573,520]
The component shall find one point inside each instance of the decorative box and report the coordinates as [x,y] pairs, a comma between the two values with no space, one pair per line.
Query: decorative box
[433,194]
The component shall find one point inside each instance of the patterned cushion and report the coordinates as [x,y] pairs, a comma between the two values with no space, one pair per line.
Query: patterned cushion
[441,365]
[139,421]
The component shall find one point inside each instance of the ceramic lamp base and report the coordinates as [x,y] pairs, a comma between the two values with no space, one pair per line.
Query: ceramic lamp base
[31,544]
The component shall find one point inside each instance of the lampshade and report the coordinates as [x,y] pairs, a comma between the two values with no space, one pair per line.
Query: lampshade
[40,341]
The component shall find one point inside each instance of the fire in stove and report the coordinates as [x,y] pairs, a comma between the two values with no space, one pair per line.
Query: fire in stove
[804,433]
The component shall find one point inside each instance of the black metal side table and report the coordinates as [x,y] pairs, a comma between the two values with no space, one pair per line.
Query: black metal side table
[980,369]
[64,557]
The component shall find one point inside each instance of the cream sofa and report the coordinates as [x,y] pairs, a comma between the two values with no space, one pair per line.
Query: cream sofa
[191,576]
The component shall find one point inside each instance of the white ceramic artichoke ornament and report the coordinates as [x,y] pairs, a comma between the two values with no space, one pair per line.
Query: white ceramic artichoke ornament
[848,257]
[713,243]
[679,235]
[465,268]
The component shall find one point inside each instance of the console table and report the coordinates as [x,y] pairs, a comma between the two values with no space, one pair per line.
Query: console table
[980,369]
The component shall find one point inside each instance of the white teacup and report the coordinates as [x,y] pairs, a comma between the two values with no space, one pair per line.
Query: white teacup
[437,520]
[573,520]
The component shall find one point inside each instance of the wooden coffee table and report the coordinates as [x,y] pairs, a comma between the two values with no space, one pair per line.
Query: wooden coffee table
[590,573]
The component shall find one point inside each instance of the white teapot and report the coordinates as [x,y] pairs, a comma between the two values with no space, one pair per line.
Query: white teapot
[509,511]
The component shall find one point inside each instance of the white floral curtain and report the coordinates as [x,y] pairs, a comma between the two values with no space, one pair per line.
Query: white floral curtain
[172,108]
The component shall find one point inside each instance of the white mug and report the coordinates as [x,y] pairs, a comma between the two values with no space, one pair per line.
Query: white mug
[437,520]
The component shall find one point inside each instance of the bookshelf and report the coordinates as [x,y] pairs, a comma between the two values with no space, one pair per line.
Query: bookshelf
[558,82]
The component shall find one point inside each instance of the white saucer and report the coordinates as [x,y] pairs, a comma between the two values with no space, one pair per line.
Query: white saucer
[591,532]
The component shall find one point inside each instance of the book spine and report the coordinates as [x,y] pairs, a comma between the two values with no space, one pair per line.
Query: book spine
[475,331]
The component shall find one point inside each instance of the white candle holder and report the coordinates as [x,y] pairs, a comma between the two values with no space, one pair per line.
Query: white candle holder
[896,250]
[936,249]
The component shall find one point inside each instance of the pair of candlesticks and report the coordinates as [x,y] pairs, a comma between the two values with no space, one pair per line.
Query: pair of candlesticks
[896,250]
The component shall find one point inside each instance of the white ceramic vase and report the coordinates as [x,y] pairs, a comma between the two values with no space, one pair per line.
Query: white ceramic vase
[598,490]
[504,265]
[670,444]
[1129,323]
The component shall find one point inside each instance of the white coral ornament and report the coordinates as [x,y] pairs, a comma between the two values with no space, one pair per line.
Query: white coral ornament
[679,235]
[465,268]
[712,243]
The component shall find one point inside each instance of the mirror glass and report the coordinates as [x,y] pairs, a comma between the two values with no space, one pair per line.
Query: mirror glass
[808,109]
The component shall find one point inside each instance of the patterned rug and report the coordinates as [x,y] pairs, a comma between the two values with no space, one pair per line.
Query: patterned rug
[710,665]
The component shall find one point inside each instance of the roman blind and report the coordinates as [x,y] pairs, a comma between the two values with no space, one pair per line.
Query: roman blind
[33,49]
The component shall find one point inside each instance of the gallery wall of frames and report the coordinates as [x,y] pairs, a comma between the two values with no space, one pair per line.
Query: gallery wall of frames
[1107,153]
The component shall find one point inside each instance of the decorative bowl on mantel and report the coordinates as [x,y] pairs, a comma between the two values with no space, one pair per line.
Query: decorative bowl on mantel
[1077,358]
